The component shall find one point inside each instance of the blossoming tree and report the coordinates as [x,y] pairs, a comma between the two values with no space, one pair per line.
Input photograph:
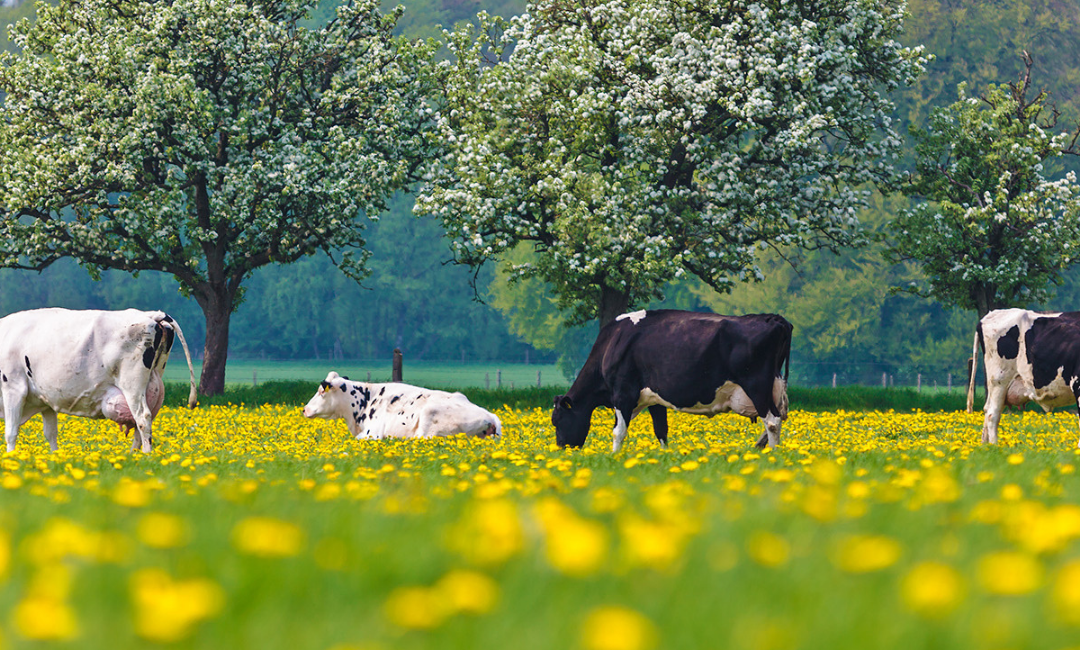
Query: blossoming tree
[991,230]
[630,142]
[205,139]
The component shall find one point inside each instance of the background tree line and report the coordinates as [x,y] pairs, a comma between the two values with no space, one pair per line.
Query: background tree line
[845,317]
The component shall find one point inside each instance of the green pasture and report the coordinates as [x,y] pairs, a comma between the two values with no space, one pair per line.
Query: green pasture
[709,544]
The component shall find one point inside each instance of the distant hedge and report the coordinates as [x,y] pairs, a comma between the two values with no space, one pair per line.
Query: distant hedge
[850,398]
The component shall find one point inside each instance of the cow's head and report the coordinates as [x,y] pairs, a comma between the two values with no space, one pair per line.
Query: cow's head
[330,400]
[571,422]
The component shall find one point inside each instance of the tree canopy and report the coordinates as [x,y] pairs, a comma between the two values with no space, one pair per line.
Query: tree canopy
[205,139]
[634,142]
[991,230]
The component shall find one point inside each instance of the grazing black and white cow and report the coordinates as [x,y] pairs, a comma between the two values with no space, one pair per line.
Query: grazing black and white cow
[95,364]
[399,410]
[686,361]
[1029,356]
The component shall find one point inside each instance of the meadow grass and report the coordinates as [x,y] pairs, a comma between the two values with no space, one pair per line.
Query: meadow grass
[255,528]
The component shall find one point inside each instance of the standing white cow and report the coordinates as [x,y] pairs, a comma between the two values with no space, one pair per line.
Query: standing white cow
[95,364]
[398,410]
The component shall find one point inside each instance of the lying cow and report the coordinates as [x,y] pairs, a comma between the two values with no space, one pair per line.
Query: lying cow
[399,410]
[1028,356]
[686,361]
[95,364]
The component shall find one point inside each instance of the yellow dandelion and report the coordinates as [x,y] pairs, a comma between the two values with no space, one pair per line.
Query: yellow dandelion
[1065,593]
[932,590]
[573,545]
[133,494]
[167,610]
[44,618]
[866,553]
[468,592]
[162,530]
[489,533]
[768,549]
[1008,573]
[415,608]
[267,537]
[614,627]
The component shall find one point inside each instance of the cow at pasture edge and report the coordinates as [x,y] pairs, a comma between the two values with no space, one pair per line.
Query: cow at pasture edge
[691,362]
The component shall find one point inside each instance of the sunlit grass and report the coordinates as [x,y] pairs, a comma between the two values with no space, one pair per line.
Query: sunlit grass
[253,527]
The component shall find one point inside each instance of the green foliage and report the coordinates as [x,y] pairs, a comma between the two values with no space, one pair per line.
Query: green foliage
[634,143]
[993,232]
[205,139]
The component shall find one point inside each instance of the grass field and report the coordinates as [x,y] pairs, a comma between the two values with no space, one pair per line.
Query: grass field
[255,528]
[422,373]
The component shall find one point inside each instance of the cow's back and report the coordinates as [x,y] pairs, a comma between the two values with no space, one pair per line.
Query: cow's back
[69,356]
[698,345]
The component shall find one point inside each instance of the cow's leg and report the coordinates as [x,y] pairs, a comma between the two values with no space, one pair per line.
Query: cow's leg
[659,422]
[995,403]
[142,435]
[13,408]
[49,427]
[772,430]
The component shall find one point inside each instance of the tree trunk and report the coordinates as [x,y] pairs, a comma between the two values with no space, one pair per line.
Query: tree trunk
[985,299]
[613,303]
[218,310]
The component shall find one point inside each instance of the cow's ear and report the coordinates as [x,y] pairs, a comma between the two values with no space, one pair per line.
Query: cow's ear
[324,386]
[564,402]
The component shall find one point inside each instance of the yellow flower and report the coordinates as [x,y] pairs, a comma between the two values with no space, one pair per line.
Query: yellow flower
[45,618]
[5,553]
[768,549]
[167,610]
[1007,573]
[468,592]
[1065,594]
[865,553]
[573,545]
[161,530]
[654,544]
[133,494]
[488,534]
[938,486]
[614,627]
[932,589]
[267,537]
[415,608]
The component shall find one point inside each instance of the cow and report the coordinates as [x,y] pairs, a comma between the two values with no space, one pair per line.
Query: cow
[95,364]
[1028,356]
[690,362]
[397,410]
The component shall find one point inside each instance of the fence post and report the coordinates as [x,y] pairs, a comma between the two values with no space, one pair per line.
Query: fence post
[487,381]
[498,379]
[884,379]
[538,379]
[834,380]
[890,381]
[918,383]
[948,379]
[396,371]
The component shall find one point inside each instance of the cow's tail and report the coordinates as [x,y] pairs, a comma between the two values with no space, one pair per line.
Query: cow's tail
[974,369]
[193,397]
